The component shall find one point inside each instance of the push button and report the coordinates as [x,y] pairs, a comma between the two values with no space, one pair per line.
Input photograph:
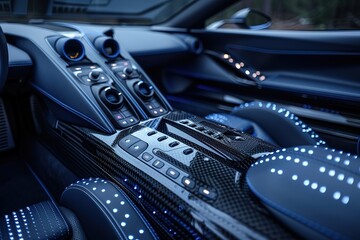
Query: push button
[146,157]
[200,128]
[127,113]
[118,116]
[172,173]
[151,133]
[127,141]
[210,194]
[188,183]
[162,138]
[158,164]
[173,144]
[137,148]
[188,151]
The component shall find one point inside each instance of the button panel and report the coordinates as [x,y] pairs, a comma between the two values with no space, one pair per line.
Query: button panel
[216,135]
[124,70]
[148,145]
[89,74]
[125,117]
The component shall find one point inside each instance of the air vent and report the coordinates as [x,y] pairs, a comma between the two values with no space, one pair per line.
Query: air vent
[6,139]
[5,6]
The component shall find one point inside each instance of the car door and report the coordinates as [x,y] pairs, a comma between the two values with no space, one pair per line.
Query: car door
[312,71]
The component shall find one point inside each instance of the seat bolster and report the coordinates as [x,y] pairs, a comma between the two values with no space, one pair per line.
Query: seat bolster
[105,212]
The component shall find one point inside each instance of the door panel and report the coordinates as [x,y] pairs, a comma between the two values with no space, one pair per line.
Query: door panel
[312,72]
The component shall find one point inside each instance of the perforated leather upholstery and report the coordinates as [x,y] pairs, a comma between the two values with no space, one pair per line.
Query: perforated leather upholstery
[105,212]
[39,221]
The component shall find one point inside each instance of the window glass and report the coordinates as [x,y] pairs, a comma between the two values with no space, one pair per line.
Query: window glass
[300,14]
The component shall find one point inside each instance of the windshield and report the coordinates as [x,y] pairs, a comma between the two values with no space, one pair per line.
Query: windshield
[139,12]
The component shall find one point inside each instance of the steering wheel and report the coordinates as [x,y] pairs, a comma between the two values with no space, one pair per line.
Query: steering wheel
[3,60]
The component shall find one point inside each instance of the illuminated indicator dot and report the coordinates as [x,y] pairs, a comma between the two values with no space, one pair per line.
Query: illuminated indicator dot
[242,64]
[305,163]
[231,60]
[115,210]
[262,78]
[310,152]
[358,185]
[288,158]
[296,160]
[337,159]
[205,191]
[306,182]
[347,162]
[122,202]
[296,149]
[280,172]
[322,189]
[254,75]
[345,200]
[281,157]
[294,177]
[237,65]
[350,180]
[303,150]
[341,177]
[332,173]
[94,188]
[226,56]
[337,195]
[257,73]
[131,237]
[272,170]
[123,224]
[116,195]
[273,158]
[108,201]
[127,215]
[247,72]
[314,186]
[328,157]
[322,169]
[141,231]
[102,190]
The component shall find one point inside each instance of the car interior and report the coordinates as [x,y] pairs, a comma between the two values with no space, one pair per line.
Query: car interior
[138,120]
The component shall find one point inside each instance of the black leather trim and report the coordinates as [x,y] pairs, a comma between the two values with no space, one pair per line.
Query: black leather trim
[105,212]
[39,221]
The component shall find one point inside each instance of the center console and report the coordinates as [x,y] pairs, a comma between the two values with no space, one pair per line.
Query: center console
[102,114]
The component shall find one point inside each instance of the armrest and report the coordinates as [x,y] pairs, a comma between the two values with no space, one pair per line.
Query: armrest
[105,212]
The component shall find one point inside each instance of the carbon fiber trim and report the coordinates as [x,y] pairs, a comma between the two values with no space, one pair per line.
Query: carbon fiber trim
[174,211]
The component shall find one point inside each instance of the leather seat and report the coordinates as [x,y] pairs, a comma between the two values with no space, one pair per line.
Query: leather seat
[270,122]
[90,209]
[39,221]
[105,211]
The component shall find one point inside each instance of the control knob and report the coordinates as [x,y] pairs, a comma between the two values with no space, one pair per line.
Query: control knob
[143,90]
[94,75]
[111,97]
